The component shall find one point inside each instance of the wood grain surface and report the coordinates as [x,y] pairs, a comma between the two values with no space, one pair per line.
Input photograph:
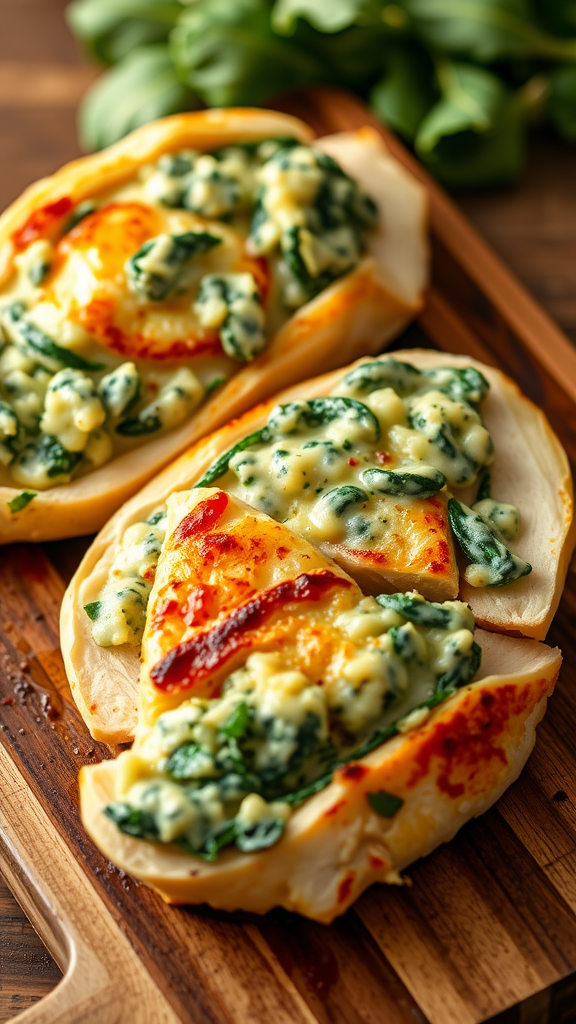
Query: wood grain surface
[515,867]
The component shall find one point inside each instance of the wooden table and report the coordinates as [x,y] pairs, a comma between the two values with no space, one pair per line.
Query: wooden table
[532,226]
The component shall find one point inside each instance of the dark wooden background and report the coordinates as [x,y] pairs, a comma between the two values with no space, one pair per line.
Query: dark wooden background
[531,225]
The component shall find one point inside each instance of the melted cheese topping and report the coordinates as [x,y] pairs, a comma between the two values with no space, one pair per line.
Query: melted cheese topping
[346,473]
[217,763]
[130,286]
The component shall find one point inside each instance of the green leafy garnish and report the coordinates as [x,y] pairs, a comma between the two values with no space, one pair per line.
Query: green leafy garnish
[112,29]
[21,500]
[385,804]
[93,609]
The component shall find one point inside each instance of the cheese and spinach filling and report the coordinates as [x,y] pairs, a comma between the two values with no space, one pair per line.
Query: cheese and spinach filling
[228,770]
[340,469]
[122,315]
[119,614]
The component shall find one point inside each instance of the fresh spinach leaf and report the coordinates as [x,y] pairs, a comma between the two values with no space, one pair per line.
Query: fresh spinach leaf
[332,17]
[228,54]
[139,88]
[484,30]
[408,90]
[562,101]
[111,29]
[474,134]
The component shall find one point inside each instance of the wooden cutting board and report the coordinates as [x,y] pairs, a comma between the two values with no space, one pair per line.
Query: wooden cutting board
[485,923]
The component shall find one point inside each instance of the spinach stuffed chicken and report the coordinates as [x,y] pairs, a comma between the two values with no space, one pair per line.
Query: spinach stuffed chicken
[153,291]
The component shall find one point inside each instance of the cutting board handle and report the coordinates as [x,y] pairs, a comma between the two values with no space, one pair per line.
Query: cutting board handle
[104,980]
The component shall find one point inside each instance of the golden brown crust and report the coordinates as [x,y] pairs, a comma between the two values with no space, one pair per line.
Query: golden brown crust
[355,315]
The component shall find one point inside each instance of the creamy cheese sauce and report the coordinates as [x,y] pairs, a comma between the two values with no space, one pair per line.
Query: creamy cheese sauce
[127,310]
[213,772]
[342,469]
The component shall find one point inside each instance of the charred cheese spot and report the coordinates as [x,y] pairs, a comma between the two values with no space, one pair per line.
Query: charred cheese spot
[88,282]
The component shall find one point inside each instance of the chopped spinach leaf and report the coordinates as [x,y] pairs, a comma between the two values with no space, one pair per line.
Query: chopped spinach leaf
[224,836]
[214,384]
[84,209]
[466,385]
[422,612]
[463,672]
[493,564]
[338,499]
[34,342]
[318,411]
[220,466]
[93,609]
[403,378]
[236,725]
[413,483]
[260,836]
[385,804]
[155,518]
[133,822]
[48,454]
[38,272]
[21,501]
[138,427]
[184,762]
[160,266]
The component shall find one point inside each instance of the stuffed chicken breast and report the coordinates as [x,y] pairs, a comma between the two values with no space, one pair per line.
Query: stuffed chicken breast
[422,471]
[297,740]
[153,291]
